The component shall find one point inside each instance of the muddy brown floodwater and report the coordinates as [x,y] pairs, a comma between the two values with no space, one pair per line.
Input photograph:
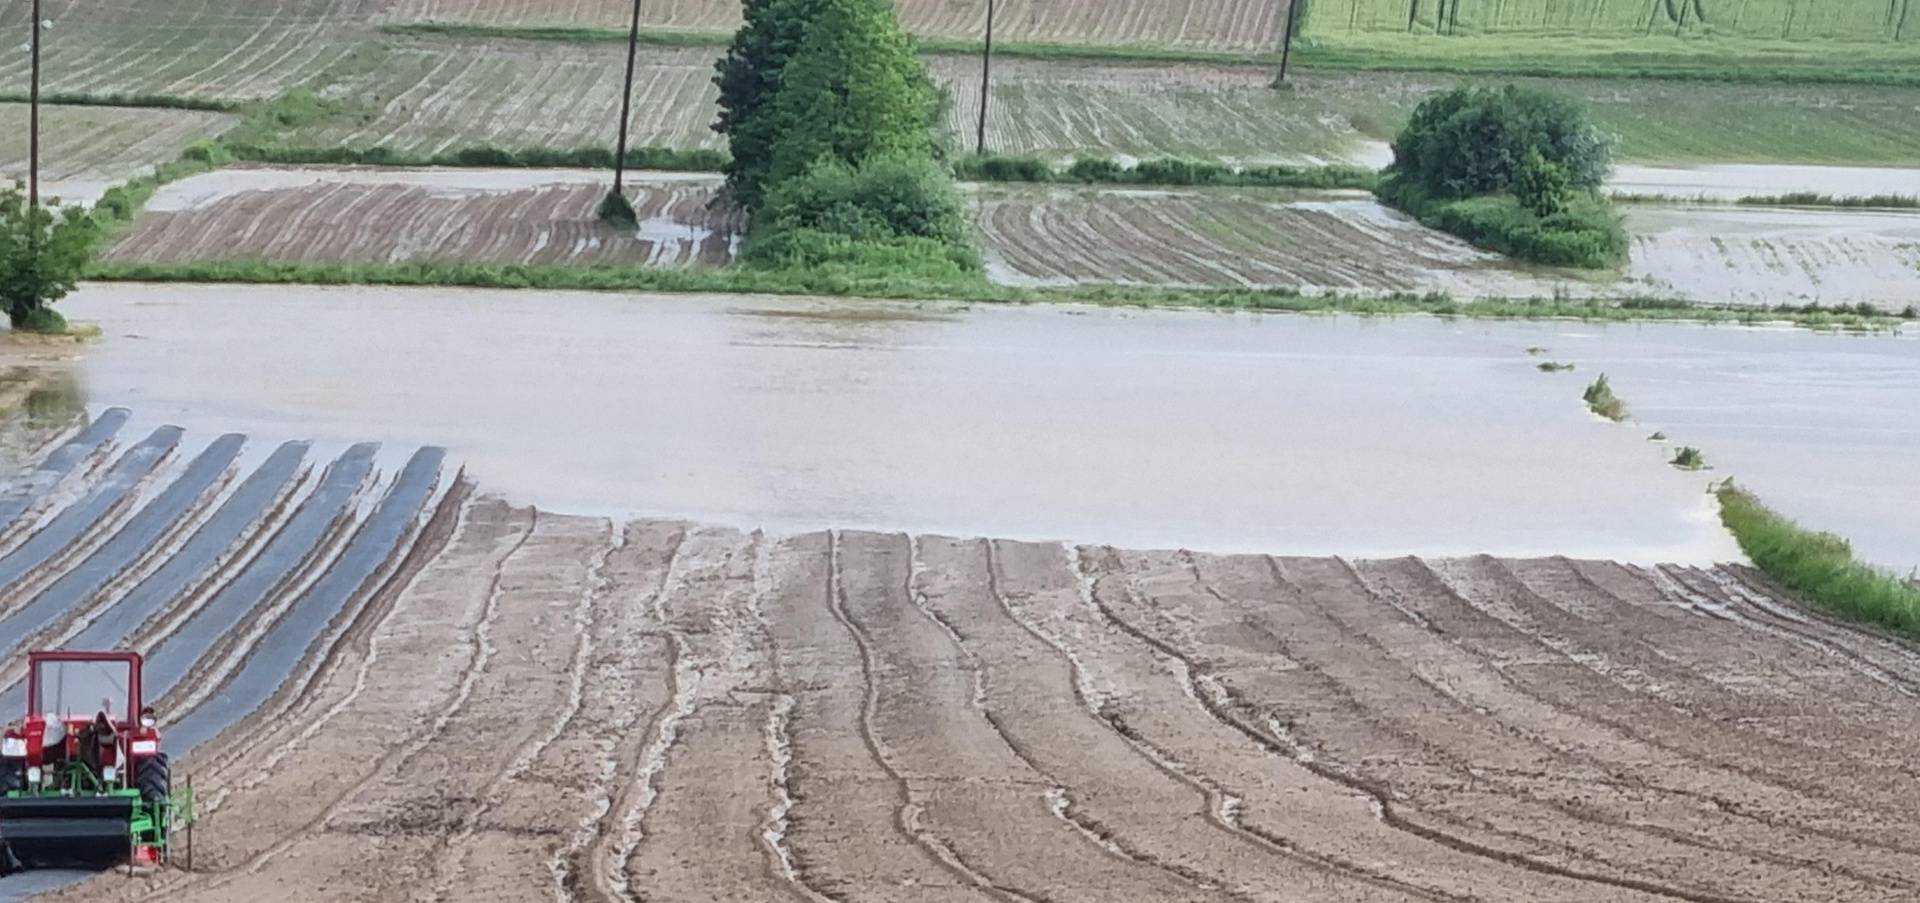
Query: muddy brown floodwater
[1225,432]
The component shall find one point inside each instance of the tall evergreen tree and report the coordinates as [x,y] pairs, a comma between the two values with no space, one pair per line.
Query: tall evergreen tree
[748,78]
[854,91]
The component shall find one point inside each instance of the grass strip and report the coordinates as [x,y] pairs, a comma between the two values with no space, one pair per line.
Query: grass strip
[1165,171]
[1542,56]
[1790,199]
[1559,56]
[586,34]
[482,155]
[1848,202]
[906,286]
[1820,566]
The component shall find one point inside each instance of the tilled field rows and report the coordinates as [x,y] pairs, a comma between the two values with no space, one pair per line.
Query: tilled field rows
[391,217]
[1230,238]
[438,95]
[565,708]
[224,564]
[1252,25]
[84,147]
[224,49]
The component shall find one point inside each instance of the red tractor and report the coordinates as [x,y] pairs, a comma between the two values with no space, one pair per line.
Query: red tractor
[83,781]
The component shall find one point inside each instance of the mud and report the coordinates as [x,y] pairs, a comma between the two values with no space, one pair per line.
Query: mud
[561,707]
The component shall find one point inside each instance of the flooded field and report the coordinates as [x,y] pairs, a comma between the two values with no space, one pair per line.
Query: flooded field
[1823,427]
[1734,181]
[1760,255]
[1312,435]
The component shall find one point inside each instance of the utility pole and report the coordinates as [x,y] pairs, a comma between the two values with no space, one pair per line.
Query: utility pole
[33,119]
[626,103]
[1286,42]
[986,83]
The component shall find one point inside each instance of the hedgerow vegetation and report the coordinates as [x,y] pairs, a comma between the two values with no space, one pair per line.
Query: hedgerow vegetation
[1516,170]
[831,120]
[656,158]
[1159,171]
[1818,565]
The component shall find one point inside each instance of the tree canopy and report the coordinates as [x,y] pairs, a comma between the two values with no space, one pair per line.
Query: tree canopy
[854,91]
[42,256]
[1473,140]
[749,78]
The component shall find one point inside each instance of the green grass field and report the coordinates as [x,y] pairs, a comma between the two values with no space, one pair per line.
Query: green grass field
[1858,41]
[1786,20]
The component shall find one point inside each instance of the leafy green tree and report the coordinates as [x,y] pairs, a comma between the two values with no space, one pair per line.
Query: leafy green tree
[854,91]
[1472,140]
[749,78]
[1541,185]
[42,256]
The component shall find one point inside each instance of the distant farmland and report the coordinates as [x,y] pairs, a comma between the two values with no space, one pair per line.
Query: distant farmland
[1195,24]
[85,149]
[1855,20]
[434,95]
[217,49]
[1065,108]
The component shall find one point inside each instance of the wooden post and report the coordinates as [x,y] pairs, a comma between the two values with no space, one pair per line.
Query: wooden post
[626,102]
[1286,39]
[33,118]
[986,84]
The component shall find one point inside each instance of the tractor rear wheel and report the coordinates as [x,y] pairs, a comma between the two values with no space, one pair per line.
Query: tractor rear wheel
[12,777]
[155,779]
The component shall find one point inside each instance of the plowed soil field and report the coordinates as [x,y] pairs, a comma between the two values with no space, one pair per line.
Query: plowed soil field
[84,150]
[428,96]
[214,49]
[1231,238]
[394,216]
[557,707]
[1252,25]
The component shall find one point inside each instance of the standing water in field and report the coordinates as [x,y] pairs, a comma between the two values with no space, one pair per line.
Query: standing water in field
[1224,432]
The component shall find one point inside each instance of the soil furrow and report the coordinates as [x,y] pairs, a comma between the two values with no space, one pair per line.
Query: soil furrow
[1058,710]
[627,693]
[1262,720]
[706,783]
[843,832]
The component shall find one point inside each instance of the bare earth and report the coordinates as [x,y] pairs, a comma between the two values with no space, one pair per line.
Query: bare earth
[564,708]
